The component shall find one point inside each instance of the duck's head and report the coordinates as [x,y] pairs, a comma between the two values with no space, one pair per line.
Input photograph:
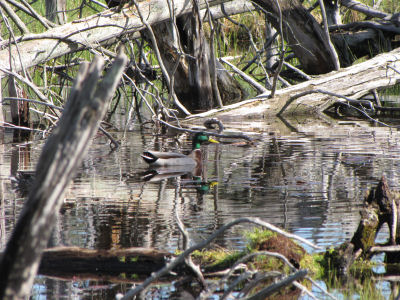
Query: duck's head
[201,138]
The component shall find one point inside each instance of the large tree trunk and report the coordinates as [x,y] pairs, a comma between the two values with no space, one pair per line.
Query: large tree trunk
[303,34]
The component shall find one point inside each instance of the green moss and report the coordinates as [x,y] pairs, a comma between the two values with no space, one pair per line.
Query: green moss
[257,237]
[217,258]
[313,264]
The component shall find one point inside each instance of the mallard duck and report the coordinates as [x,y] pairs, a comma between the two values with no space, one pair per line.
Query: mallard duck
[167,159]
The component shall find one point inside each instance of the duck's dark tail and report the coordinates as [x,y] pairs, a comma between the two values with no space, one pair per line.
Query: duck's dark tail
[149,157]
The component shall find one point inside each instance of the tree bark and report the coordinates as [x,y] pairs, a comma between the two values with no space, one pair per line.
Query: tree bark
[303,34]
[192,76]
[61,155]
[56,11]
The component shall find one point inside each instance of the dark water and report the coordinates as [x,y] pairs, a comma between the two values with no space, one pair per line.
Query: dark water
[310,183]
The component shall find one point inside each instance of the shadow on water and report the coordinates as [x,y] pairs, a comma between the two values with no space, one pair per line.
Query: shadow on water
[310,182]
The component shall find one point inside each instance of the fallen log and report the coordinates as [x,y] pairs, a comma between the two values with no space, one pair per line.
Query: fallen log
[353,82]
[34,49]
[138,262]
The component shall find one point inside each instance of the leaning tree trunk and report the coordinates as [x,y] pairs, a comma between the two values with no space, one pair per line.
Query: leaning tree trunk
[61,155]
[303,34]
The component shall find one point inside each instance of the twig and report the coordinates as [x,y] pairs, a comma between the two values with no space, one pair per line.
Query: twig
[112,140]
[327,37]
[242,260]
[297,70]
[28,83]
[258,278]
[38,17]
[365,9]
[378,249]
[48,24]
[304,289]
[32,101]
[12,126]
[281,54]
[245,77]
[188,260]
[251,40]
[264,293]
[213,66]
[324,291]
[299,95]
[99,3]
[244,276]
[11,31]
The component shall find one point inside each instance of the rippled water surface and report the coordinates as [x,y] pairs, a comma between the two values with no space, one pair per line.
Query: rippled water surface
[310,182]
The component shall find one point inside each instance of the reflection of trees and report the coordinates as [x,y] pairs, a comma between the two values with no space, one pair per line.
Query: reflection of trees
[294,182]
[291,182]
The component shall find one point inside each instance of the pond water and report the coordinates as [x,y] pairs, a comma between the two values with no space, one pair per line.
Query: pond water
[310,181]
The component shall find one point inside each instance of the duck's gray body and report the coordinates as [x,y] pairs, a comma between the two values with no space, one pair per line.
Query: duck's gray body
[165,159]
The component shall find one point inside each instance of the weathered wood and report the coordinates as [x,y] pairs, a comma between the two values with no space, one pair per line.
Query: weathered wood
[61,155]
[353,82]
[62,261]
[85,33]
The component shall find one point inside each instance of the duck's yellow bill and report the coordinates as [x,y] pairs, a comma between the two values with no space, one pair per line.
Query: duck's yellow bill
[212,141]
[213,183]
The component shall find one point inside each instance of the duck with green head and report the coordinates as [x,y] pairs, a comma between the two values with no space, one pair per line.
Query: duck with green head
[167,159]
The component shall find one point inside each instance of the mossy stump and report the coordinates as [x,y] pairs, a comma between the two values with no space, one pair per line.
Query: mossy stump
[380,207]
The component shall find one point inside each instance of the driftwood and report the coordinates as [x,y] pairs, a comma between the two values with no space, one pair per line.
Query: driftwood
[71,261]
[353,82]
[61,155]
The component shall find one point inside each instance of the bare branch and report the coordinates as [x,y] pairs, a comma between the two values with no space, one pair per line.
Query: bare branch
[21,25]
